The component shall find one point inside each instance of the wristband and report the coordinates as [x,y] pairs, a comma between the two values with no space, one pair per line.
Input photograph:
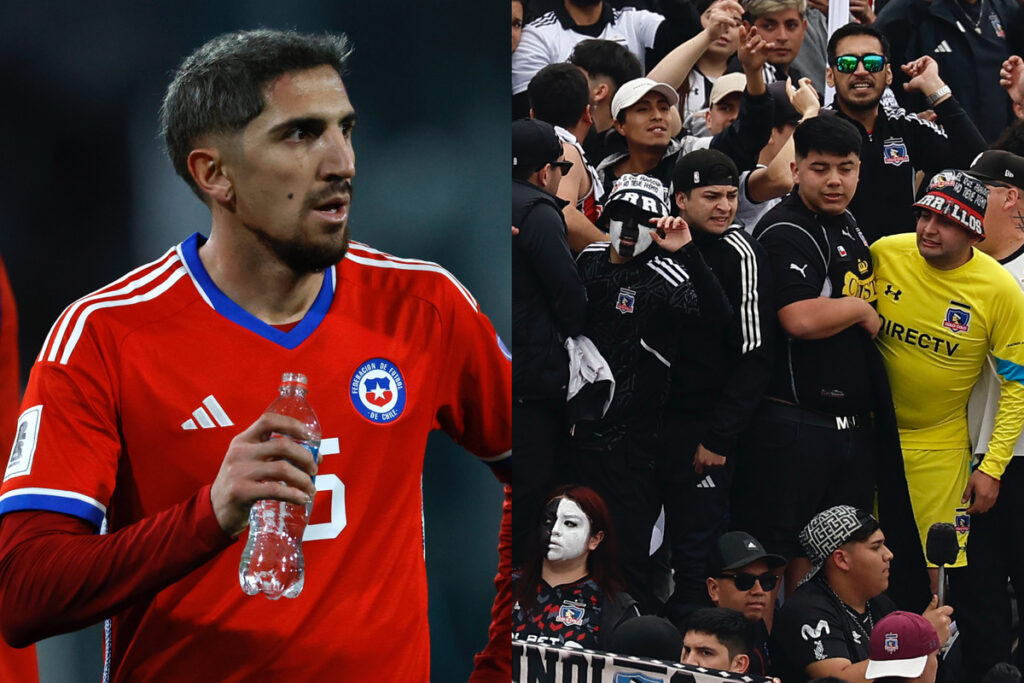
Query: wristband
[937,95]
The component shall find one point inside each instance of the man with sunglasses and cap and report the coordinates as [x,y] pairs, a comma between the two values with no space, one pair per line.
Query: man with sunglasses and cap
[646,288]
[825,627]
[548,306]
[895,144]
[945,306]
[743,576]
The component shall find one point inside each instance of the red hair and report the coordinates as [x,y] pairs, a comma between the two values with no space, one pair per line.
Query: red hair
[602,562]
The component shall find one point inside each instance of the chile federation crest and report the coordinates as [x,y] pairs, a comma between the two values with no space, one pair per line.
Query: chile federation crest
[378,391]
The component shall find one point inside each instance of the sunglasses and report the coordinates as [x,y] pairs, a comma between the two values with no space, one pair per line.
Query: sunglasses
[745,581]
[847,64]
[563,166]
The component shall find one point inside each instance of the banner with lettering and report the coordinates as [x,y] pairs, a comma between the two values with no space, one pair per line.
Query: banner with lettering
[533,663]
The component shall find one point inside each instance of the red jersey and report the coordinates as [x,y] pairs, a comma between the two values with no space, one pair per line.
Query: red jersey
[15,665]
[140,387]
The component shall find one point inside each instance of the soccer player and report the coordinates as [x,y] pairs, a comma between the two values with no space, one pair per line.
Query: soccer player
[134,413]
[944,306]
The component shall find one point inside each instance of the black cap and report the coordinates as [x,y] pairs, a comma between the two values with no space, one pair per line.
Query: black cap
[737,549]
[997,166]
[783,111]
[534,143]
[647,636]
[704,167]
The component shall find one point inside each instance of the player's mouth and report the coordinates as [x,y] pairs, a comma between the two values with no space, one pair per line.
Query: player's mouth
[333,209]
[862,85]
[925,242]
[834,196]
[657,130]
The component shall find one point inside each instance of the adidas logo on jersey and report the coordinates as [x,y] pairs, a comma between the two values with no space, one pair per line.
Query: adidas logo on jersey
[706,483]
[943,47]
[203,419]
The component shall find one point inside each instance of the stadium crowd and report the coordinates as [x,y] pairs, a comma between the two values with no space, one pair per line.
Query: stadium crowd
[768,330]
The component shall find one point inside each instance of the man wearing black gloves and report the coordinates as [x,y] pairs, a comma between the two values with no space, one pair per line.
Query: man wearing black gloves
[645,289]
[716,390]
[548,305]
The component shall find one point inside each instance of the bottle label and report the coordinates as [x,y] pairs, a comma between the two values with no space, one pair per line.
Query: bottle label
[378,391]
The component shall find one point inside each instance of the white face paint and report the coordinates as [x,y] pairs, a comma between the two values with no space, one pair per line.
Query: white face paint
[638,238]
[570,533]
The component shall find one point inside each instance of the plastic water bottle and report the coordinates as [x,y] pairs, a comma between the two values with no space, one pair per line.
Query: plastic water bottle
[272,561]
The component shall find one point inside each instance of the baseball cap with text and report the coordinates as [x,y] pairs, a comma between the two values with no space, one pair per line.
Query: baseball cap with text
[900,645]
[960,197]
[631,92]
[642,191]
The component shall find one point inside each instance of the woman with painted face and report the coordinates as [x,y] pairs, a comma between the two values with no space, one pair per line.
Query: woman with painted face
[570,592]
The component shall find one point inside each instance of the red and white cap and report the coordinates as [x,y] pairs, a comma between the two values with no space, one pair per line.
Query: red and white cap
[900,645]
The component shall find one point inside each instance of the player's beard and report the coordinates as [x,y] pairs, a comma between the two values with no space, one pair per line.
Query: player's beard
[308,257]
[304,257]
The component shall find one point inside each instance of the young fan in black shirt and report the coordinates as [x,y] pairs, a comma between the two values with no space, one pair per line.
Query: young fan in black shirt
[824,628]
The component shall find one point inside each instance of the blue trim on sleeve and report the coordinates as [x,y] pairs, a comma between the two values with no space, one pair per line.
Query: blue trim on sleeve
[238,315]
[41,501]
[1010,371]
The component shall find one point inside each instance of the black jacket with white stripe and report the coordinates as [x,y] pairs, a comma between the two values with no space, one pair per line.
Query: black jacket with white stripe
[725,376]
[891,155]
[636,312]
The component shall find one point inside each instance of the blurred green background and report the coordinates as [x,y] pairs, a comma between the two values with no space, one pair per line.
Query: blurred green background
[88,194]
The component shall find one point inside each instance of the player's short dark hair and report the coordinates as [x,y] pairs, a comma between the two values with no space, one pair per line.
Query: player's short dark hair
[220,87]
[826,133]
[559,94]
[855,29]
[728,625]
[606,58]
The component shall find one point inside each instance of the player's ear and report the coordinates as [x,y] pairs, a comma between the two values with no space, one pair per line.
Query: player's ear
[206,166]
[595,541]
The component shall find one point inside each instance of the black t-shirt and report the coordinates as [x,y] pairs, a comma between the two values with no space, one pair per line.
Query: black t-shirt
[814,255]
[814,625]
[566,614]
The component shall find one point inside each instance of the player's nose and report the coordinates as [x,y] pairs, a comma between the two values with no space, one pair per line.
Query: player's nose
[339,158]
